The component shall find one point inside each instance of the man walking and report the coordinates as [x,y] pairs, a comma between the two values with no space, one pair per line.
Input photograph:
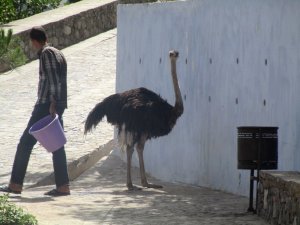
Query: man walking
[52,99]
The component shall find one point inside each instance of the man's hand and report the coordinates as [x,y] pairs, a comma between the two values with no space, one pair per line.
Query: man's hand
[52,109]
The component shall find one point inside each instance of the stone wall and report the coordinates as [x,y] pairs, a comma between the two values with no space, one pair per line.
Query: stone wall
[67,28]
[279,197]
[75,28]
[70,29]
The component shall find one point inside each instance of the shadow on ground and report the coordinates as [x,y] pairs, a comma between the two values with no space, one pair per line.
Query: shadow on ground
[99,196]
[112,203]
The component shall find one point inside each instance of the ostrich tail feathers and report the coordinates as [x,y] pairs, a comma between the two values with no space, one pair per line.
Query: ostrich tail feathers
[94,117]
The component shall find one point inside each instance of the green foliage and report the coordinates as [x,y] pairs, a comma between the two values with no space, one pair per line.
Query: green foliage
[7,12]
[10,214]
[19,9]
[4,41]
[10,50]
[25,8]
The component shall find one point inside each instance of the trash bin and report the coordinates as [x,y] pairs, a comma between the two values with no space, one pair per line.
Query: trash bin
[257,148]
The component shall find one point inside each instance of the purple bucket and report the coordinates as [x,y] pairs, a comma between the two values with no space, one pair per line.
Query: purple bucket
[49,132]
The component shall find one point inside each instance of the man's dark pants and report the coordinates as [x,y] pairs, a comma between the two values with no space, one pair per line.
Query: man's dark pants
[26,144]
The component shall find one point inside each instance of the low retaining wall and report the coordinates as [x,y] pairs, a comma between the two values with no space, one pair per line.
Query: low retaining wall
[70,27]
[279,197]
[75,28]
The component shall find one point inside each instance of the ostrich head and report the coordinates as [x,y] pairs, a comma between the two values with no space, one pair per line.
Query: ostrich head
[173,54]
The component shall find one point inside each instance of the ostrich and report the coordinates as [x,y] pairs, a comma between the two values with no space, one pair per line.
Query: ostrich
[139,114]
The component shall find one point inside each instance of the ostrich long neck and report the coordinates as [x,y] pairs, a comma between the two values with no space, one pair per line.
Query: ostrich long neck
[178,101]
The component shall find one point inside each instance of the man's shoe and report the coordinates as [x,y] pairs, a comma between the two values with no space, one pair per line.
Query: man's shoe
[56,193]
[7,189]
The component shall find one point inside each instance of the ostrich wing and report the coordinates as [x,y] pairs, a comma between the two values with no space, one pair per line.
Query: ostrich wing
[146,113]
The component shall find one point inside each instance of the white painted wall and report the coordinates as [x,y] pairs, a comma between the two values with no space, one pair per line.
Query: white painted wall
[201,149]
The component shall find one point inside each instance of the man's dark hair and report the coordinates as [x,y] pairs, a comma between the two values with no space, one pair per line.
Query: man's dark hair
[38,34]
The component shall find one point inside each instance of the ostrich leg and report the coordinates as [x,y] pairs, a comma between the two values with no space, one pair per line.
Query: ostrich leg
[129,151]
[140,150]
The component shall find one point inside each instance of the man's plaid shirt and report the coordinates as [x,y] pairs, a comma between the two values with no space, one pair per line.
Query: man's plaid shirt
[52,76]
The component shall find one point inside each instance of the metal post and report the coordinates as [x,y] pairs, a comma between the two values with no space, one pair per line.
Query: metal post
[251,209]
[259,162]
[257,183]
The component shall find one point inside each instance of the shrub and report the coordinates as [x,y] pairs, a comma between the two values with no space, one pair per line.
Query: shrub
[10,214]
[11,53]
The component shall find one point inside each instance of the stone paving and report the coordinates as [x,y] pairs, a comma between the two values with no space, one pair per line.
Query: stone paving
[91,77]
[99,195]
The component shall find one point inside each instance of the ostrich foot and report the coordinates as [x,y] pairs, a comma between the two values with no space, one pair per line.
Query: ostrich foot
[133,188]
[147,185]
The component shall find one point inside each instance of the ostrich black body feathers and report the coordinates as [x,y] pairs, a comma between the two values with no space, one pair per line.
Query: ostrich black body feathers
[140,111]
